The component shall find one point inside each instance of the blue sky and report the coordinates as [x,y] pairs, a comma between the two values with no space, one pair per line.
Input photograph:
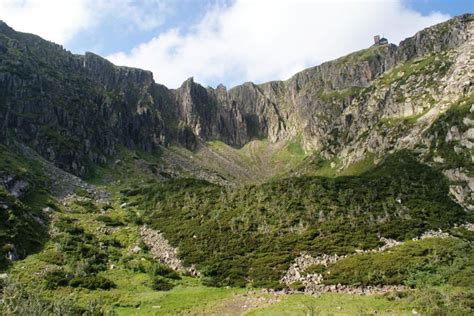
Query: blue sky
[224,41]
[451,7]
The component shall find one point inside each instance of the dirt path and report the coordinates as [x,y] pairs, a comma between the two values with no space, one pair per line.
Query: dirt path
[242,303]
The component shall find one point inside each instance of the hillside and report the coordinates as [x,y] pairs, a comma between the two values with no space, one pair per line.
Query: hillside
[119,195]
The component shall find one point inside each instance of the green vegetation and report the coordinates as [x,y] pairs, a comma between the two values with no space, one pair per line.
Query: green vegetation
[250,235]
[79,256]
[426,65]
[426,301]
[339,95]
[22,222]
[431,261]
[334,304]
[453,117]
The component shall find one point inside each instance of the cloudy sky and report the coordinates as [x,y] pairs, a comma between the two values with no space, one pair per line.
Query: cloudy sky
[224,41]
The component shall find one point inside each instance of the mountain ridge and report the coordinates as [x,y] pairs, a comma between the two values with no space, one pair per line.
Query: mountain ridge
[148,115]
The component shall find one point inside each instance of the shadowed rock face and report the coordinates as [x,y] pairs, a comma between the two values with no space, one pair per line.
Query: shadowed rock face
[75,110]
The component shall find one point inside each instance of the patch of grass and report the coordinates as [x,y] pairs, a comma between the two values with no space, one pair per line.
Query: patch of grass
[334,304]
[359,167]
[426,65]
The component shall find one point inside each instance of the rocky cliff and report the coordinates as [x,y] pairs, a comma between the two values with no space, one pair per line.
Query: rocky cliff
[73,109]
[76,110]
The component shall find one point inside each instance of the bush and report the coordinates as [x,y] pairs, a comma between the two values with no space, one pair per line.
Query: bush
[109,221]
[55,279]
[160,284]
[92,282]
[298,286]
[158,269]
[443,301]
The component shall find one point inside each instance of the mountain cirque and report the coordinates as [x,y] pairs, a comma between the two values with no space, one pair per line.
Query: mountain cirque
[75,110]
[355,176]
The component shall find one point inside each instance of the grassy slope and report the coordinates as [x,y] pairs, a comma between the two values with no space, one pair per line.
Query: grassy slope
[133,295]
[249,235]
[18,226]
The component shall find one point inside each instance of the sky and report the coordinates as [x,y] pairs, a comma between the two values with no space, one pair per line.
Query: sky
[224,41]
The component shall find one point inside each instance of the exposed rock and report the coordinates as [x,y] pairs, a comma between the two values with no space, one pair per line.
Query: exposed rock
[14,185]
[301,263]
[124,106]
[462,187]
[433,234]
[136,249]
[468,226]
[163,251]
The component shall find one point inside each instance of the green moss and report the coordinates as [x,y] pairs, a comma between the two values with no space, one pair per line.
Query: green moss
[360,166]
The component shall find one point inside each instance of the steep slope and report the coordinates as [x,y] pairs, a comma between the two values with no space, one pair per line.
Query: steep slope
[73,110]
[76,110]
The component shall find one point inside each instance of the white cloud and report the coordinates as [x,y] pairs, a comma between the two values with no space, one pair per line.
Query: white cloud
[55,20]
[60,20]
[271,39]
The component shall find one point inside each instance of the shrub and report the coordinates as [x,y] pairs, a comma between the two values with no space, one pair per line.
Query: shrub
[298,286]
[92,282]
[158,283]
[315,268]
[443,301]
[55,279]
[432,261]
[109,221]
[158,269]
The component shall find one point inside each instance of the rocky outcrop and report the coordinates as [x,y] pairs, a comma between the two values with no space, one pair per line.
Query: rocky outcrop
[332,105]
[163,251]
[295,272]
[73,110]
[313,282]
[462,187]
[13,184]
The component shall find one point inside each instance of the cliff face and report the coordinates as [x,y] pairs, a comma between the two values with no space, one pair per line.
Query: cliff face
[76,110]
[312,103]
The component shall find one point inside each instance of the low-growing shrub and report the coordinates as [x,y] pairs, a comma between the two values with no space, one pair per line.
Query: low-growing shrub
[158,283]
[92,282]
[315,268]
[109,221]
[158,269]
[55,279]
[297,286]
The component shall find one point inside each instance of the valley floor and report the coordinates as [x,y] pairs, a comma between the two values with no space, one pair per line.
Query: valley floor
[95,261]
